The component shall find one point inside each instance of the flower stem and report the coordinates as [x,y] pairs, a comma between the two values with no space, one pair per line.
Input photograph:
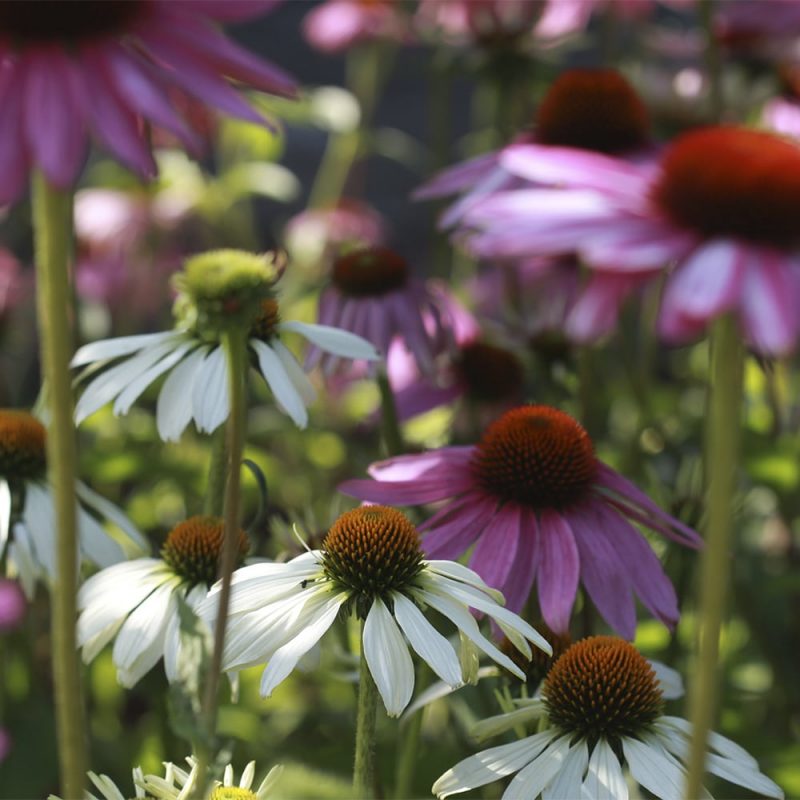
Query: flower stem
[390,423]
[722,452]
[235,343]
[364,764]
[52,221]
[217,472]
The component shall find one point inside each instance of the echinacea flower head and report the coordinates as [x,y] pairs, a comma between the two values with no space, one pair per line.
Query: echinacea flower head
[106,70]
[539,506]
[218,292]
[374,294]
[138,603]
[604,705]
[370,564]
[27,511]
[588,109]
[720,204]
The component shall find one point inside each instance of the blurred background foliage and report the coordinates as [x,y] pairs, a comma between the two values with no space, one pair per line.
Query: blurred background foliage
[643,404]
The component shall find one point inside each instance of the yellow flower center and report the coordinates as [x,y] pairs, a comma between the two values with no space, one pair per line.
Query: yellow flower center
[193,549]
[232,793]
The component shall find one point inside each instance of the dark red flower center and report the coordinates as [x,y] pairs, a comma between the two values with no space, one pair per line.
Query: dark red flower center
[593,109]
[193,548]
[490,373]
[50,21]
[370,272]
[22,446]
[733,182]
[536,455]
[602,687]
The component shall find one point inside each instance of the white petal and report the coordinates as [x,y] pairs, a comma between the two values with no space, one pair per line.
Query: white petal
[140,641]
[669,680]
[284,659]
[39,518]
[440,689]
[743,775]
[111,512]
[388,659]
[210,402]
[134,389]
[604,779]
[172,635]
[106,386]
[95,543]
[106,349]
[716,741]
[465,622]
[5,514]
[334,340]
[530,781]
[492,764]
[567,784]
[19,554]
[281,384]
[654,768]
[493,726]
[247,775]
[427,641]
[295,372]
[458,572]
[174,406]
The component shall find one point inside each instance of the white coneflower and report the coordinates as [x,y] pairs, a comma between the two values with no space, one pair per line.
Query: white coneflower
[603,705]
[370,563]
[217,289]
[138,603]
[27,513]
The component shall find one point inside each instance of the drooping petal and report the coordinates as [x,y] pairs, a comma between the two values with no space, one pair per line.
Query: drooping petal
[530,781]
[174,405]
[558,571]
[428,643]
[295,372]
[518,585]
[604,778]
[274,373]
[334,340]
[210,401]
[388,658]
[495,553]
[122,346]
[653,767]
[462,521]
[567,784]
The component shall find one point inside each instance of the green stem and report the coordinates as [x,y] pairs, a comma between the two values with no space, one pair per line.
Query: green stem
[722,453]
[364,763]
[52,221]
[408,747]
[217,472]
[235,344]
[390,423]
[713,59]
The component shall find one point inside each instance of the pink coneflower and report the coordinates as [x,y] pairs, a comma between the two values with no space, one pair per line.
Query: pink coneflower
[538,506]
[374,295]
[337,25]
[588,109]
[105,69]
[722,204]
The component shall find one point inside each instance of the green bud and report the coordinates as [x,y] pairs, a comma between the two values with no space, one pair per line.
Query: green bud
[224,289]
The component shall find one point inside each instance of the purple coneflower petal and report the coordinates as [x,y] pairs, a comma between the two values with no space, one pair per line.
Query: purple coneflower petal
[495,553]
[421,396]
[607,583]
[454,179]
[461,524]
[403,468]
[519,582]
[558,570]
[596,311]
[769,295]
[658,520]
[54,122]
[636,245]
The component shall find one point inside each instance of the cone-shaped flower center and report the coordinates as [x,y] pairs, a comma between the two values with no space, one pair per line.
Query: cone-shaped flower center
[22,446]
[536,455]
[59,21]
[370,272]
[733,182]
[602,686]
[593,109]
[490,373]
[266,323]
[232,793]
[193,548]
[371,551]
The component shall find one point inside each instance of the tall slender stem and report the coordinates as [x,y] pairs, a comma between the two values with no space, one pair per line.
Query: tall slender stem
[235,343]
[217,472]
[364,763]
[390,423]
[52,221]
[722,453]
